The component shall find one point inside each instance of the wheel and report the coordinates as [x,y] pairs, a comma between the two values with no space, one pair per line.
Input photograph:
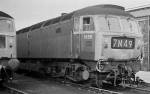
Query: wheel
[118,81]
[113,81]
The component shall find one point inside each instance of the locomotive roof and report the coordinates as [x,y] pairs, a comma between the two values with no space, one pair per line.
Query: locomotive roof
[23,30]
[106,9]
[2,14]
[103,9]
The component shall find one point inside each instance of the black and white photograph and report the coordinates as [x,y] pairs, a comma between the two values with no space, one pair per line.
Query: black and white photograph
[74,47]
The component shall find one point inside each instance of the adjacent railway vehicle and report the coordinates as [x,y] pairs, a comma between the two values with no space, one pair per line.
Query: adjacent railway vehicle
[102,43]
[8,61]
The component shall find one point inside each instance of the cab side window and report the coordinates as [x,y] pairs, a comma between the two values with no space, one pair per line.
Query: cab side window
[88,24]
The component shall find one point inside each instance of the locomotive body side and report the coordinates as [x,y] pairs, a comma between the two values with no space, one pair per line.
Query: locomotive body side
[54,41]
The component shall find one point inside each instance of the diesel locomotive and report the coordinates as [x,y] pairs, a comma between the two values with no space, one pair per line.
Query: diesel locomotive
[8,61]
[101,43]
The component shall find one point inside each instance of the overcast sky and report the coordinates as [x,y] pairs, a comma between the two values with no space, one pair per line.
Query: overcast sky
[28,12]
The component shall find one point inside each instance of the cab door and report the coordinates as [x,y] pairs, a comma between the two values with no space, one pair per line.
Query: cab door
[83,37]
[76,38]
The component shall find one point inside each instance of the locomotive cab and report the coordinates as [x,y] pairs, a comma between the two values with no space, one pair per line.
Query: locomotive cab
[113,40]
[119,37]
[121,46]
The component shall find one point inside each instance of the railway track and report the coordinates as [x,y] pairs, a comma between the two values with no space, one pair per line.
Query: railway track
[108,89]
[94,89]
[128,89]
[140,89]
[12,90]
[86,87]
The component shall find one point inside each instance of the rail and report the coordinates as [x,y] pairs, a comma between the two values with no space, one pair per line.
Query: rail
[14,90]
